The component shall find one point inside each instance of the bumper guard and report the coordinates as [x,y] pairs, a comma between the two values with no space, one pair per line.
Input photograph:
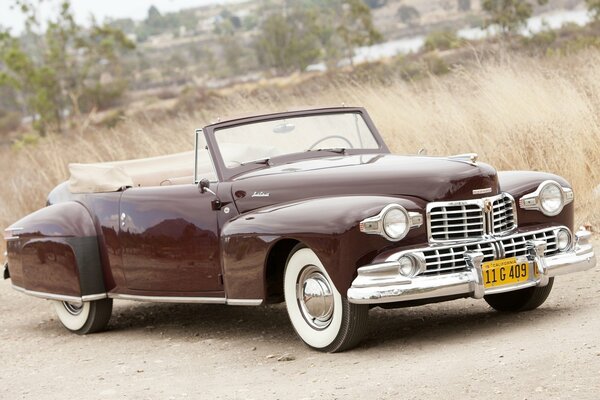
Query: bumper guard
[382,283]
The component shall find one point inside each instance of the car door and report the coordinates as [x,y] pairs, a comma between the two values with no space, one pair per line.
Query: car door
[169,240]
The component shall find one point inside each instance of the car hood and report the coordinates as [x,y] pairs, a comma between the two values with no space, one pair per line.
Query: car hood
[428,178]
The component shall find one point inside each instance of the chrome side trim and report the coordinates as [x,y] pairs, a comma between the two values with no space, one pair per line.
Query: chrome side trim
[186,299]
[93,297]
[244,302]
[157,299]
[48,296]
[169,299]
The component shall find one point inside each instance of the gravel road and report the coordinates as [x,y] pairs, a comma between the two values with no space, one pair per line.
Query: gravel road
[455,350]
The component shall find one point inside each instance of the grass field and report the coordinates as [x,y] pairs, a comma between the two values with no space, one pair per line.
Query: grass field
[517,113]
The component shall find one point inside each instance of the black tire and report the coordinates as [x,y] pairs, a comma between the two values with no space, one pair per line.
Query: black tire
[520,300]
[342,327]
[87,318]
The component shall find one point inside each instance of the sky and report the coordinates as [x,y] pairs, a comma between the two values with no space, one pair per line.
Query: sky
[136,9]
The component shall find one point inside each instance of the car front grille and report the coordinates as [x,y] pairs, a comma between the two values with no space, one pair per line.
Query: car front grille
[446,259]
[503,214]
[465,220]
[452,259]
[452,222]
[515,246]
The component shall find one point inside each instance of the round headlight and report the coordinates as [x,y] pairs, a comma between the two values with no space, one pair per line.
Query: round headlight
[396,223]
[407,267]
[563,239]
[551,199]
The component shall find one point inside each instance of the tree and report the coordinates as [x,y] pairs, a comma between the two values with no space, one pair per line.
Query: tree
[407,14]
[232,53]
[286,43]
[508,15]
[594,7]
[374,4]
[464,5]
[65,66]
[356,27]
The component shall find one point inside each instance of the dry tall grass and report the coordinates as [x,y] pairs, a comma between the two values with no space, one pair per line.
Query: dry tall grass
[516,113]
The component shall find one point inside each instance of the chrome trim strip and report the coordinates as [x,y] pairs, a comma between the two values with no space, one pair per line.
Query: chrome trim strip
[244,302]
[157,299]
[168,299]
[93,297]
[48,296]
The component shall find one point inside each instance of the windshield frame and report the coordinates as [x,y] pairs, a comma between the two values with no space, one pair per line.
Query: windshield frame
[225,174]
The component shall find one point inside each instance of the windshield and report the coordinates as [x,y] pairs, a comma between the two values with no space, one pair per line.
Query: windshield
[258,142]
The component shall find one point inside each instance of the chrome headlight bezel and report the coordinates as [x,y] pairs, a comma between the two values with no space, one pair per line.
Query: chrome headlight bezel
[376,225]
[533,201]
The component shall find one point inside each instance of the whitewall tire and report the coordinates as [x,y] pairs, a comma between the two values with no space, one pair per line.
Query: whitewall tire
[89,317]
[322,318]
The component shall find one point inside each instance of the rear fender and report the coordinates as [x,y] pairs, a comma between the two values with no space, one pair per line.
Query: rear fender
[54,253]
[329,226]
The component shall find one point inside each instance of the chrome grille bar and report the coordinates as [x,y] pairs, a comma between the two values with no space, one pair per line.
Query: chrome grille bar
[471,219]
[444,259]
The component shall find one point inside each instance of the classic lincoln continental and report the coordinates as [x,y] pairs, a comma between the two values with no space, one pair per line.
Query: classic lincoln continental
[307,207]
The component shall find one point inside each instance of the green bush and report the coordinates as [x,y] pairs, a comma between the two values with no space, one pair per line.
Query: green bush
[441,40]
[436,65]
[9,121]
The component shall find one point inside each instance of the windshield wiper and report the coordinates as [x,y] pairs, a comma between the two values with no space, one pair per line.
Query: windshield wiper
[265,161]
[338,150]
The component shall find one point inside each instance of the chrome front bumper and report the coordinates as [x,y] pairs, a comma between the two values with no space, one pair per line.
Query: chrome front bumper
[382,283]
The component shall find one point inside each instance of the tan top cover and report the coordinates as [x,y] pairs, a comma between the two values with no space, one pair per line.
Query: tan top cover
[172,169]
[87,178]
[113,176]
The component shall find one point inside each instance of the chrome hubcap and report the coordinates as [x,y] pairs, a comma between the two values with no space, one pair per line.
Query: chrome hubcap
[73,309]
[315,297]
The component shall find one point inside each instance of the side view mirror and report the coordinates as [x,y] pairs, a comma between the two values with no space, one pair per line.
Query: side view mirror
[204,186]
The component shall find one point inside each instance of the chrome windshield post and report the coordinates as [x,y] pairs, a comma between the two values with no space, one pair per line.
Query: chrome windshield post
[474,259]
[535,253]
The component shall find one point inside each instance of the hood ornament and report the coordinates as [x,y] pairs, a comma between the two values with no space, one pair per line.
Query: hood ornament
[470,158]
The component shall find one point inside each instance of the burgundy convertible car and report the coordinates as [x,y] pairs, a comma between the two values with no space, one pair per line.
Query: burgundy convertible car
[307,208]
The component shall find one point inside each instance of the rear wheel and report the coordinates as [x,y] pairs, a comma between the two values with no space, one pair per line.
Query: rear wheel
[88,317]
[520,300]
[322,318]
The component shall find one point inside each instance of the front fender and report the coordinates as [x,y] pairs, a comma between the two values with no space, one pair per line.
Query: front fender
[520,183]
[55,251]
[329,226]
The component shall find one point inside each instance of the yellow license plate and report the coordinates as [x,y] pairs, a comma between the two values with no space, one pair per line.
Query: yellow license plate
[504,272]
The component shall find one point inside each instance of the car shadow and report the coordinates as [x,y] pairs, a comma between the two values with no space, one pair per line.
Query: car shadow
[437,323]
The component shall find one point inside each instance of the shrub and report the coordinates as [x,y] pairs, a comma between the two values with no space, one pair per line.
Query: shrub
[441,40]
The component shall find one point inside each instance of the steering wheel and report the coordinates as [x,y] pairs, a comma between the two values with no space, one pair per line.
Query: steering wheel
[331,137]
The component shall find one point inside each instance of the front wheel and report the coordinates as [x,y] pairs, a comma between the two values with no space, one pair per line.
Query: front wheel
[88,317]
[322,318]
[520,300]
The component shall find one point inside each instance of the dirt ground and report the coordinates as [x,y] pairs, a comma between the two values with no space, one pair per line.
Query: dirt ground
[455,350]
